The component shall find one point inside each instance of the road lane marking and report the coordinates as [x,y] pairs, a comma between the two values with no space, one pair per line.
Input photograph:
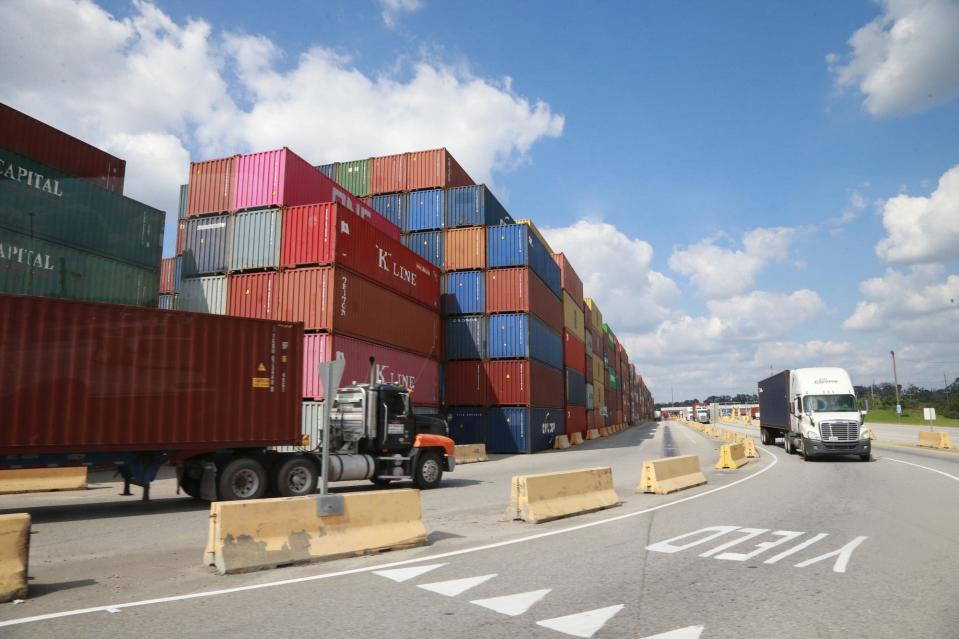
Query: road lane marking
[787,535]
[750,533]
[455,587]
[405,574]
[395,564]
[513,605]
[795,549]
[689,632]
[842,556]
[582,624]
[944,474]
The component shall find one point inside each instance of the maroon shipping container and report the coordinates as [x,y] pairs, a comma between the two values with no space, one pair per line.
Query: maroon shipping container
[42,143]
[331,234]
[335,300]
[435,169]
[575,420]
[388,174]
[569,280]
[574,352]
[88,377]
[467,383]
[210,189]
[252,295]
[591,419]
[519,290]
[419,374]
[168,275]
[523,382]
[180,237]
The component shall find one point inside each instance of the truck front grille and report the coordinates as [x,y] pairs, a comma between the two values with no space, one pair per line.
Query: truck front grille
[841,431]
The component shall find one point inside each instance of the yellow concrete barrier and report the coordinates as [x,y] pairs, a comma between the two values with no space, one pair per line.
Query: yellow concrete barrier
[664,476]
[31,480]
[934,439]
[470,453]
[576,438]
[539,498]
[266,533]
[592,433]
[870,433]
[14,555]
[561,442]
[603,431]
[749,448]
[731,456]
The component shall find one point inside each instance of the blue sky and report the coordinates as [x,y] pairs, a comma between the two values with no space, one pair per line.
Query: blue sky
[669,131]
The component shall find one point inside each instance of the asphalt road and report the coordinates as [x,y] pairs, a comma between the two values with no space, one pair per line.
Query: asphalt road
[862,549]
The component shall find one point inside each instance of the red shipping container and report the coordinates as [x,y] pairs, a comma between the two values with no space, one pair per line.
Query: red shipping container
[282,178]
[330,234]
[465,249]
[168,275]
[88,377]
[467,383]
[335,300]
[435,169]
[519,290]
[523,382]
[574,352]
[575,420]
[180,237]
[587,368]
[591,419]
[211,186]
[252,295]
[569,280]
[419,374]
[42,143]
[388,173]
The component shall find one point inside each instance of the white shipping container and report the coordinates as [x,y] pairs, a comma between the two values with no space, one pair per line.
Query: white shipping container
[590,400]
[203,295]
[312,429]
[256,240]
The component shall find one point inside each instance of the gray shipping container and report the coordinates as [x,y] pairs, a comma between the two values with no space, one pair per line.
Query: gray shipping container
[256,240]
[203,295]
[312,425]
[207,246]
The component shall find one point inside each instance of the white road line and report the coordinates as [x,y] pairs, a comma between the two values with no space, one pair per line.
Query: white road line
[513,605]
[455,587]
[395,564]
[944,474]
[689,632]
[582,624]
[405,574]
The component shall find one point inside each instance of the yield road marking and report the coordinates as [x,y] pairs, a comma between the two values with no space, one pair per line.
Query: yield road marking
[456,586]
[689,632]
[582,624]
[513,605]
[405,574]
[944,474]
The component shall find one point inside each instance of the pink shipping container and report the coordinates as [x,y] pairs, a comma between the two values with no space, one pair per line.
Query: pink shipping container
[335,300]
[419,374]
[211,186]
[569,280]
[329,233]
[524,382]
[388,174]
[42,143]
[282,178]
[435,169]
[467,383]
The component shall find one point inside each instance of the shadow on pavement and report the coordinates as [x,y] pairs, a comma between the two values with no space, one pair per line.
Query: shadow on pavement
[41,589]
[121,507]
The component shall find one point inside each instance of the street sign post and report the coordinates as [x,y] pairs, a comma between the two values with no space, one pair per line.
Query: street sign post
[929,414]
[331,373]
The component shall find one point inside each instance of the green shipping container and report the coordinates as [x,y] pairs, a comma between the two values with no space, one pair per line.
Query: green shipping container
[354,177]
[30,266]
[613,380]
[46,204]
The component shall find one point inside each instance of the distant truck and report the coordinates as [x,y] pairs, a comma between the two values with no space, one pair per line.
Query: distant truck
[657,415]
[702,415]
[89,384]
[814,410]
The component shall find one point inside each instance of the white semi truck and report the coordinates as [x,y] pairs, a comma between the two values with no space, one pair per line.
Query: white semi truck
[815,411]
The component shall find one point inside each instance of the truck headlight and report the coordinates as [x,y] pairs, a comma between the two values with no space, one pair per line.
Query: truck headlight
[812,433]
[863,433]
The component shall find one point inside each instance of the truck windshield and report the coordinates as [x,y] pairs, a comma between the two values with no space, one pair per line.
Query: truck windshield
[829,403]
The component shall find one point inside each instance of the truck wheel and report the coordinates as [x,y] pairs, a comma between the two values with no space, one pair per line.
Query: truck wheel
[865,458]
[767,436]
[242,478]
[787,444]
[296,477]
[191,486]
[429,471]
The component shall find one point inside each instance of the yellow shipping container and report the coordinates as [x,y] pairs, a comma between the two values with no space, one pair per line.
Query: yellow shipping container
[573,317]
[597,314]
[599,395]
[599,370]
[536,232]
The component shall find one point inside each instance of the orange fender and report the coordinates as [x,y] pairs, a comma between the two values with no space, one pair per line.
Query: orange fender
[426,440]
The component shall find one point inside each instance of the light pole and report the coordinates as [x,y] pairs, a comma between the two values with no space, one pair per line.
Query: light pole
[895,377]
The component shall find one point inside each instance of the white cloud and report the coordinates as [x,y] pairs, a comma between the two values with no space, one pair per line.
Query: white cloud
[923,229]
[787,354]
[392,8]
[632,296]
[907,59]
[857,203]
[718,272]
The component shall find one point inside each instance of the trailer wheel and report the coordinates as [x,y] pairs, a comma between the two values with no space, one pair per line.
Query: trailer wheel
[767,436]
[296,477]
[191,486]
[429,470]
[242,478]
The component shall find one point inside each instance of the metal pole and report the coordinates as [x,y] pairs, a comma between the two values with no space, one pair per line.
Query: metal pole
[895,377]
[325,451]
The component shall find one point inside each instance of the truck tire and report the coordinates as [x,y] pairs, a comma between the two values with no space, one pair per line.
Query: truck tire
[767,436]
[191,486]
[865,458]
[787,444]
[241,478]
[296,477]
[428,471]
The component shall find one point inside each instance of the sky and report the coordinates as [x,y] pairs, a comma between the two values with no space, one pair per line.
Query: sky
[743,187]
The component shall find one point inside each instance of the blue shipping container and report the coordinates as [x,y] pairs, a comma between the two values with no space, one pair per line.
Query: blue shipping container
[207,246]
[575,388]
[466,337]
[515,245]
[474,206]
[329,170]
[468,425]
[523,430]
[424,210]
[521,336]
[428,245]
[392,207]
[464,292]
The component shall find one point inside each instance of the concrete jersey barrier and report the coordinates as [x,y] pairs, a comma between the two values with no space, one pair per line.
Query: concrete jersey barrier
[546,496]
[937,439]
[470,453]
[731,456]
[664,476]
[14,555]
[34,480]
[266,533]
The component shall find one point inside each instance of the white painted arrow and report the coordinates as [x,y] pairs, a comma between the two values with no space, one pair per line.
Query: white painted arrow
[689,632]
[456,586]
[582,624]
[405,574]
[513,605]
